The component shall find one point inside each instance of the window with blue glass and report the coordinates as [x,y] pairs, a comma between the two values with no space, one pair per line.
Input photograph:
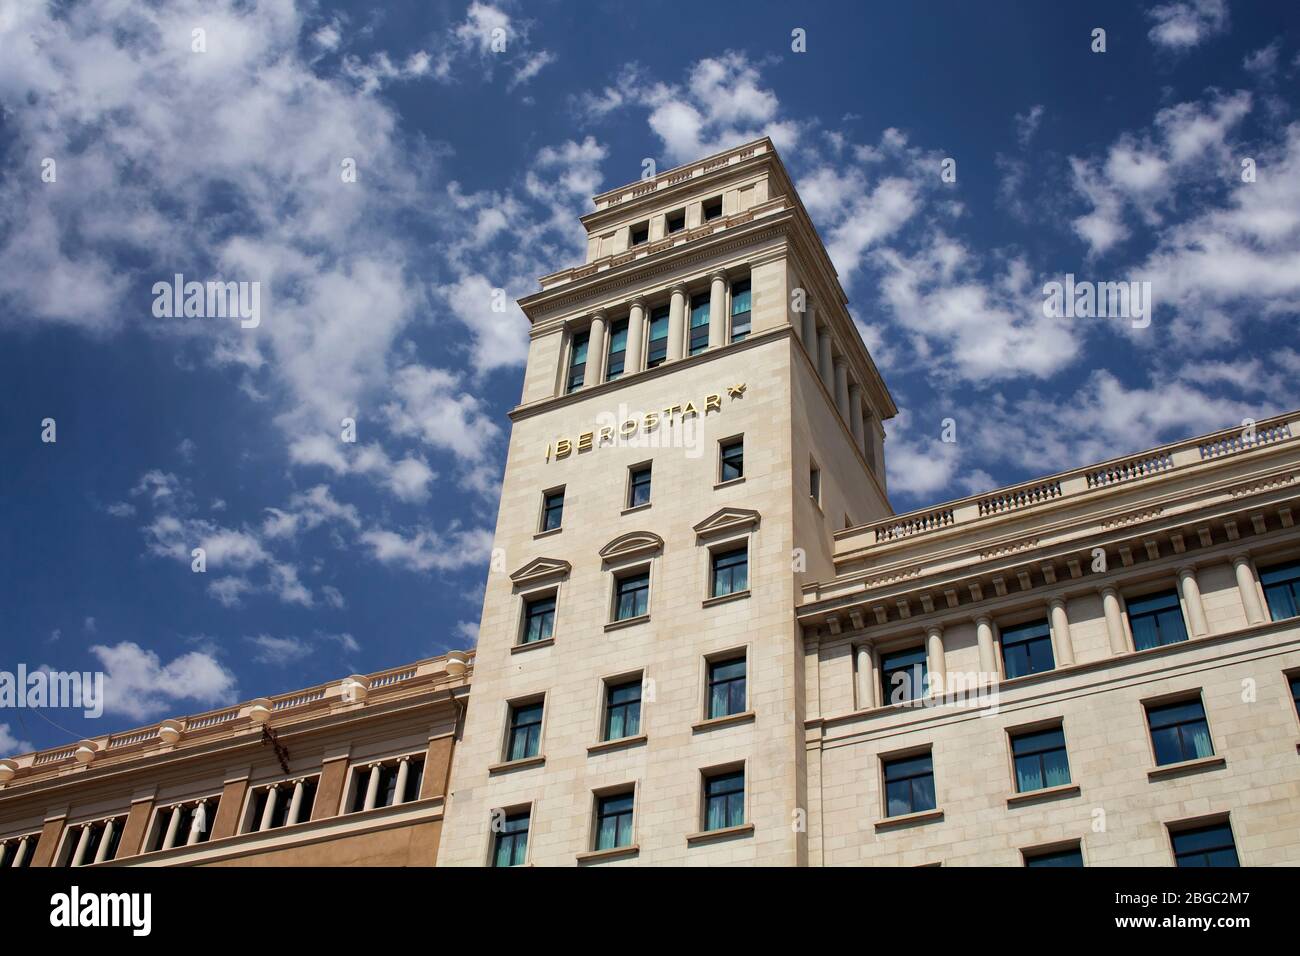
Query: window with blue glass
[730,571]
[1205,846]
[525,737]
[732,464]
[740,316]
[1282,590]
[903,675]
[1027,649]
[1295,691]
[657,350]
[726,690]
[614,820]
[623,709]
[724,800]
[1065,856]
[510,848]
[638,486]
[1040,759]
[699,323]
[552,509]
[578,361]
[909,785]
[539,619]
[632,595]
[1179,732]
[1156,620]
[617,350]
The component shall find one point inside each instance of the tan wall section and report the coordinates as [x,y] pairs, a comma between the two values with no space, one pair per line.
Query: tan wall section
[397,846]
[49,842]
[228,810]
[136,829]
[329,792]
[437,767]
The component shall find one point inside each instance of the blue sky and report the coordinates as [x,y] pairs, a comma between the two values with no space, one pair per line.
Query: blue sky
[325,558]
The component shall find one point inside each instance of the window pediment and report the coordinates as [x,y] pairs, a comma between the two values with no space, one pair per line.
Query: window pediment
[726,521]
[631,545]
[541,569]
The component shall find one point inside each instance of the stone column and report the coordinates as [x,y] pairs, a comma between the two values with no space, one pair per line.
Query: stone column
[173,828]
[635,335]
[935,663]
[268,811]
[20,855]
[403,775]
[1191,591]
[717,309]
[856,422]
[1248,585]
[677,324]
[105,841]
[810,330]
[866,678]
[842,387]
[295,803]
[984,637]
[824,358]
[83,846]
[1114,620]
[595,372]
[372,788]
[198,824]
[1063,646]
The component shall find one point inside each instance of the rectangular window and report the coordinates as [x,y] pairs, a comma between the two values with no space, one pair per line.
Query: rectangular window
[632,596]
[675,222]
[640,234]
[510,847]
[525,736]
[617,350]
[1282,590]
[102,843]
[539,619]
[909,785]
[657,353]
[699,323]
[1040,760]
[1179,732]
[732,454]
[739,310]
[730,571]
[385,789]
[12,848]
[1065,856]
[1295,691]
[1027,649]
[638,486]
[552,509]
[284,812]
[903,675]
[614,820]
[1205,846]
[176,823]
[1156,619]
[623,710]
[712,209]
[726,690]
[724,800]
[578,361]
[815,485]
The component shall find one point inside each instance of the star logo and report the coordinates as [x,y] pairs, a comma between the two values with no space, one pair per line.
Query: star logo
[736,391]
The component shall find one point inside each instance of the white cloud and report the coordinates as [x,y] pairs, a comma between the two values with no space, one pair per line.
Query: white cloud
[466,632]
[139,686]
[1184,24]
[278,651]
[9,744]
[425,549]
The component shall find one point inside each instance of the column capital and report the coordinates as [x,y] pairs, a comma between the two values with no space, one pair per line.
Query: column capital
[598,315]
[1108,590]
[678,288]
[1240,557]
[933,630]
[718,273]
[637,302]
[984,620]
[855,389]
[1056,602]
[840,360]
[1187,571]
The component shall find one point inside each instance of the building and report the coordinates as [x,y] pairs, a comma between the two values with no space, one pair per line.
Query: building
[351,773]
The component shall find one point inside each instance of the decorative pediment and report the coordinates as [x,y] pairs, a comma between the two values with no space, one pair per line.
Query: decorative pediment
[541,569]
[632,545]
[727,521]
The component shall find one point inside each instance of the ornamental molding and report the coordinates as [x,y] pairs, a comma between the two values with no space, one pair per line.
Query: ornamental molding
[631,545]
[541,569]
[725,521]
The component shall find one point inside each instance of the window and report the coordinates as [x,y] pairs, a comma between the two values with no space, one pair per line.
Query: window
[1040,759]
[617,350]
[1179,732]
[815,487]
[510,846]
[1156,620]
[539,619]
[712,209]
[1062,856]
[640,234]
[552,509]
[1295,691]
[726,690]
[614,820]
[384,784]
[903,675]
[730,571]
[91,843]
[739,310]
[657,353]
[1282,590]
[675,221]
[525,735]
[724,800]
[638,486]
[289,803]
[623,710]
[732,454]
[632,596]
[909,785]
[17,853]
[1027,649]
[184,823]
[1205,846]
[699,323]
[578,361]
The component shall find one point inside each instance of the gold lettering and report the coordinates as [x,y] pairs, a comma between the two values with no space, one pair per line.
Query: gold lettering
[606,434]
[563,447]
[584,441]
[651,421]
[712,403]
[628,427]
[690,409]
[548,451]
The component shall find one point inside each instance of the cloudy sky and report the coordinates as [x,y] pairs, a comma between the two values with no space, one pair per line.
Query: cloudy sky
[134,148]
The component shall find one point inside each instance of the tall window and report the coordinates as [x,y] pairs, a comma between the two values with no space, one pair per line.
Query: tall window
[184,823]
[623,709]
[510,847]
[903,675]
[1065,856]
[1179,732]
[657,353]
[17,852]
[815,486]
[638,486]
[539,619]
[1027,649]
[578,361]
[712,209]
[909,785]
[1156,620]
[675,222]
[525,736]
[92,843]
[730,571]
[640,234]
[552,509]
[617,350]
[732,465]
[739,310]
[699,323]
[391,785]
[1295,691]
[1205,846]
[614,820]
[726,687]
[293,803]
[632,595]
[1040,760]
[1282,590]
[724,800]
